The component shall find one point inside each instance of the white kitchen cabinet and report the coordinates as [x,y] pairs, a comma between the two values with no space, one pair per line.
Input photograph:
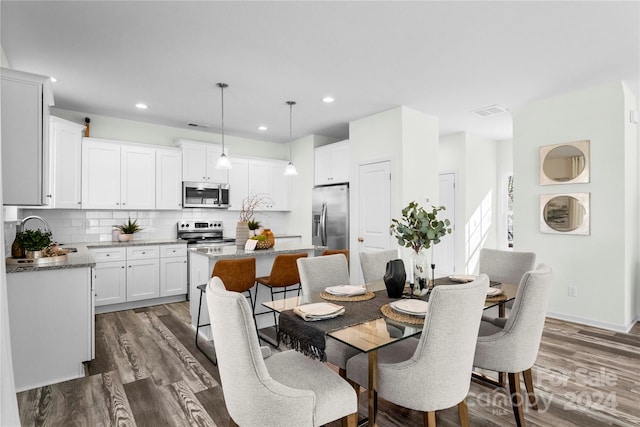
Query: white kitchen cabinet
[117,175]
[168,179]
[50,315]
[199,161]
[238,182]
[110,280]
[266,177]
[143,272]
[137,177]
[65,167]
[100,174]
[332,163]
[173,270]
[25,137]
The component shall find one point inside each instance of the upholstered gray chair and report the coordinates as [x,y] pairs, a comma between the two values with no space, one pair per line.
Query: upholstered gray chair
[315,275]
[511,345]
[434,372]
[374,264]
[504,267]
[286,388]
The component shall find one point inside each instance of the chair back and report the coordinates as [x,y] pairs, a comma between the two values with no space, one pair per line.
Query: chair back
[374,264]
[251,395]
[284,271]
[506,266]
[515,348]
[438,375]
[238,275]
[319,272]
[345,252]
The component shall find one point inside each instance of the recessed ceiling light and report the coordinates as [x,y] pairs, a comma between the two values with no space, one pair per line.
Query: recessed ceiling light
[328,99]
[263,128]
[141,106]
[53,79]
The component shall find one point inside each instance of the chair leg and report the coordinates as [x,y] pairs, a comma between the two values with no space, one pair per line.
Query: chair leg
[463,412]
[429,419]
[528,383]
[516,398]
[214,361]
[350,420]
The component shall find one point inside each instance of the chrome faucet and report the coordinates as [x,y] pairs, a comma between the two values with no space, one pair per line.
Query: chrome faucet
[46,225]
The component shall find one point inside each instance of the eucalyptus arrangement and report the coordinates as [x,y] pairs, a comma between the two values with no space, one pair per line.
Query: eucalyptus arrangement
[250,204]
[418,228]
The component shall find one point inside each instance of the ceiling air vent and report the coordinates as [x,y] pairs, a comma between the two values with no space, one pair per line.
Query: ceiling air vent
[490,110]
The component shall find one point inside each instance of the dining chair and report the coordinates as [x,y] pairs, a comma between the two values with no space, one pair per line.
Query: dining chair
[284,274]
[238,275]
[374,264]
[511,345]
[504,267]
[434,372]
[316,274]
[285,388]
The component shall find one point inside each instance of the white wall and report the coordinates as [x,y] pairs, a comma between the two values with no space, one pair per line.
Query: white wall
[600,265]
[410,140]
[504,168]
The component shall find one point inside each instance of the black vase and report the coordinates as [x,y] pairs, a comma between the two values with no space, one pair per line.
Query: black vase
[394,278]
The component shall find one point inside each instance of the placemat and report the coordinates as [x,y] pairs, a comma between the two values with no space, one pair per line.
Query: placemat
[329,297]
[399,317]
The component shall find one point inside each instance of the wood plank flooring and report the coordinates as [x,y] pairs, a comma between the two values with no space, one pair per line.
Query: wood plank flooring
[148,372]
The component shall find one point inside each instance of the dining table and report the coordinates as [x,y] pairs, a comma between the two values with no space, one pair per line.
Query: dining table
[362,326]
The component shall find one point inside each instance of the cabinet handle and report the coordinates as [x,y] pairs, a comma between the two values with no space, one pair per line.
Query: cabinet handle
[123,203]
[129,266]
[108,255]
[48,195]
[79,203]
[143,253]
[122,266]
[117,204]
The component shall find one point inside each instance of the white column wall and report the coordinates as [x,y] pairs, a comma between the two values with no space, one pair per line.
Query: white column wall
[599,265]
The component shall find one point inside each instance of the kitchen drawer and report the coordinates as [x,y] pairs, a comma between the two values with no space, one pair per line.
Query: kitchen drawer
[142,252]
[170,251]
[109,254]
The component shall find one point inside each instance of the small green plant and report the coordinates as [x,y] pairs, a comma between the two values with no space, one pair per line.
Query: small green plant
[35,240]
[418,228]
[129,227]
[253,224]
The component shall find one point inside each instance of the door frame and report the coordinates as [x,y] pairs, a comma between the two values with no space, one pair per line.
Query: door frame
[454,214]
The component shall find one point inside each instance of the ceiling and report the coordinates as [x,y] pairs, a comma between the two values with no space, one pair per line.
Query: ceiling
[445,59]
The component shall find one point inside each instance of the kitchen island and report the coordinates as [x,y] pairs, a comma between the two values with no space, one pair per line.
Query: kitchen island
[202,260]
[51,320]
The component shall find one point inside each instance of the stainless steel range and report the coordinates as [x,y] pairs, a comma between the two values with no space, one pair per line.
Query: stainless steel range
[203,233]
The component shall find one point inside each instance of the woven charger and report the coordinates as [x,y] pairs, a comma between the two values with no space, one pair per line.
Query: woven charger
[367,295]
[400,317]
[497,298]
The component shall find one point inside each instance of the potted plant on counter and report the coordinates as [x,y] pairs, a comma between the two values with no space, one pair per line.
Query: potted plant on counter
[255,228]
[128,229]
[35,241]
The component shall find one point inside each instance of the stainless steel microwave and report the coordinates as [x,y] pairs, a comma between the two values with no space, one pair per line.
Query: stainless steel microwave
[205,195]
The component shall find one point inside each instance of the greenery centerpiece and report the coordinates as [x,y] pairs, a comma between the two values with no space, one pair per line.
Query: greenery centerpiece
[128,229]
[35,241]
[419,229]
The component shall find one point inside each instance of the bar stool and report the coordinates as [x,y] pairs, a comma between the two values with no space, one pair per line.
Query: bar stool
[238,275]
[345,252]
[284,273]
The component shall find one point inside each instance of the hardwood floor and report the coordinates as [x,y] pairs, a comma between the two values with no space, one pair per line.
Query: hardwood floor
[148,372]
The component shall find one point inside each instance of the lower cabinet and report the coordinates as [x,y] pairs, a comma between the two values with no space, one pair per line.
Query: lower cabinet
[138,273]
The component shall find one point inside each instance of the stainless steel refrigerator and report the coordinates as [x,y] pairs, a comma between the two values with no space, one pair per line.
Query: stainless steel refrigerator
[330,216]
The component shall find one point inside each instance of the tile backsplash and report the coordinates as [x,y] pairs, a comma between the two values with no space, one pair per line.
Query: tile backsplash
[79,226]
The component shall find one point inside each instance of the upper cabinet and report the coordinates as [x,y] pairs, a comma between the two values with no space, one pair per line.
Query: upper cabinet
[117,176]
[266,177]
[332,163]
[65,189]
[199,162]
[25,134]
[168,179]
[238,182]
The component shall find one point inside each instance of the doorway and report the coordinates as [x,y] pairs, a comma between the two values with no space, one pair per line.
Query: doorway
[444,253]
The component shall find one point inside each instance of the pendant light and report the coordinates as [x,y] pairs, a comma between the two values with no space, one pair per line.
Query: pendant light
[223,161]
[290,170]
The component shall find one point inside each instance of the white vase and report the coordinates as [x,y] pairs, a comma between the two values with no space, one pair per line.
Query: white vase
[242,234]
[125,237]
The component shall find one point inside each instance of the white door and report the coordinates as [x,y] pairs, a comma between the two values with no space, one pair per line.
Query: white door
[374,208]
[444,252]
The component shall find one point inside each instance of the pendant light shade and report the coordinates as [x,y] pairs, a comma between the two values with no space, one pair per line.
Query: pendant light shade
[290,170]
[223,161]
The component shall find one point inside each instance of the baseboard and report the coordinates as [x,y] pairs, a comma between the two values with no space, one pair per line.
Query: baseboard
[139,304]
[594,323]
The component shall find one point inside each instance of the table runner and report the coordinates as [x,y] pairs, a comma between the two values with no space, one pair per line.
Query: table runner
[309,338]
